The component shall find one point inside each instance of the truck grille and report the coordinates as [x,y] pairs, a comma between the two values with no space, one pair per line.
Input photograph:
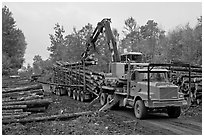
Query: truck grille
[168,93]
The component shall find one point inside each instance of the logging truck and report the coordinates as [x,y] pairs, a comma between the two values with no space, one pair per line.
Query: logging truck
[145,87]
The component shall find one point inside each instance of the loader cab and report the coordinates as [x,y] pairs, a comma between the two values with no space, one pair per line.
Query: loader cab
[119,69]
[135,57]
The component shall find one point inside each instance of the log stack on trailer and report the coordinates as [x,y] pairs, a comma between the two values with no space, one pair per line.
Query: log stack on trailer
[20,102]
[76,80]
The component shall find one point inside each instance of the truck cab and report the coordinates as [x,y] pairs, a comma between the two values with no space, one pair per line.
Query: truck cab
[147,89]
[150,90]
[159,85]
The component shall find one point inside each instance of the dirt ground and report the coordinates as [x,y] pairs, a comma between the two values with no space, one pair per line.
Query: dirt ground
[111,122]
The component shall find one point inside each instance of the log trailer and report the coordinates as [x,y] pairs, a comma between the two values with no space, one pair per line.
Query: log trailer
[145,87]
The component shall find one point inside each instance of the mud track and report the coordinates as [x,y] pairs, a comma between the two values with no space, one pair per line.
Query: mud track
[162,124]
[111,122]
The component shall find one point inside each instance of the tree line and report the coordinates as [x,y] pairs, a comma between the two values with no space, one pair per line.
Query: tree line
[13,44]
[183,44]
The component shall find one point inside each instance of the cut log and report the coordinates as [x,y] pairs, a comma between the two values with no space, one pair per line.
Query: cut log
[15,114]
[12,111]
[36,109]
[22,93]
[29,103]
[30,97]
[14,107]
[25,88]
[52,117]
[7,117]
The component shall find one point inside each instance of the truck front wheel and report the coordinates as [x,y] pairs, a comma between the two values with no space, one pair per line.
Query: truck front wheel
[103,99]
[174,112]
[140,110]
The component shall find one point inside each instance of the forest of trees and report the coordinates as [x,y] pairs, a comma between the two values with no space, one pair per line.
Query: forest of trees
[183,44]
[13,44]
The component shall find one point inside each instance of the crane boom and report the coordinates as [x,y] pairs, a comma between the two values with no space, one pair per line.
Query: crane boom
[90,44]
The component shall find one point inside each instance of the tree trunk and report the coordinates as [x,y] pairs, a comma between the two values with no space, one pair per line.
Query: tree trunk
[9,114]
[12,111]
[12,117]
[14,107]
[29,97]
[36,109]
[25,88]
[52,117]
[22,93]
[29,103]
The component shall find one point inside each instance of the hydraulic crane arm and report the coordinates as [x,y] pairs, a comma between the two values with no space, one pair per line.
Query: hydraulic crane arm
[90,45]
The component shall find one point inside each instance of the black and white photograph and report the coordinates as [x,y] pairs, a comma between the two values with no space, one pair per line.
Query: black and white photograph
[101,67]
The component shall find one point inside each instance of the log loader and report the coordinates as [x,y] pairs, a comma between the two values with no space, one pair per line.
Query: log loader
[145,87]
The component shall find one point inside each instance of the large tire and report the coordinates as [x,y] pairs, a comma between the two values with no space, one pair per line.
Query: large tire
[140,110]
[174,112]
[63,91]
[70,93]
[52,89]
[58,91]
[115,106]
[82,96]
[109,98]
[78,95]
[103,99]
[74,94]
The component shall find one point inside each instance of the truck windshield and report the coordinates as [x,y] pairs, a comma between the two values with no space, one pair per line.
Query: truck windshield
[155,77]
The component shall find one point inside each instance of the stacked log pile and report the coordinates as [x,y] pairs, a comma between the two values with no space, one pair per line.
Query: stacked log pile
[20,102]
[188,76]
[77,74]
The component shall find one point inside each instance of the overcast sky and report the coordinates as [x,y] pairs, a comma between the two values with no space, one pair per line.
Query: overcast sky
[37,20]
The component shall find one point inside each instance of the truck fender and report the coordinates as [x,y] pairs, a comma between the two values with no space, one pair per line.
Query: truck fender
[136,98]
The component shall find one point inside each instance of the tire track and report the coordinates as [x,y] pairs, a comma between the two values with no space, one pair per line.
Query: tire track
[176,128]
[161,122]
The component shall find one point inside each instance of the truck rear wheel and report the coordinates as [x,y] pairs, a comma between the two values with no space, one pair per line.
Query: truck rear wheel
[69,93]
[52,88]
[78,95]
[82,96]
[74,94]
[103,99]
[58,91]
[109,98]
[140,110]
[174,112]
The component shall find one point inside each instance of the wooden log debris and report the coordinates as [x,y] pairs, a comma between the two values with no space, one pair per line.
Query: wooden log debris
[36,102]
[36,109]
[22,93]
[46,118]
[14,116]
[24,88]
[14,107]
[29,97]
[12,111]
